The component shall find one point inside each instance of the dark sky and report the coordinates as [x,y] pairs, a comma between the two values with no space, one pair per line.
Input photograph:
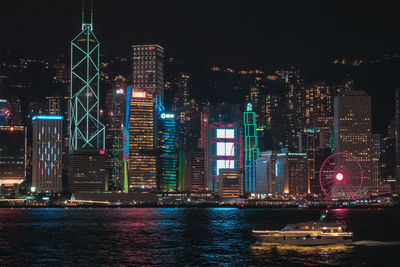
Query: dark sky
[245,34]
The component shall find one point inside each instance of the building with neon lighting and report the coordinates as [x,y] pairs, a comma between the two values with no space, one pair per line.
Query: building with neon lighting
[251,151]
[85,129]
[47,146]
[113,120]
[166,161]
[13,154]
[4,112]
[86,155]
[291,171]
[224,143]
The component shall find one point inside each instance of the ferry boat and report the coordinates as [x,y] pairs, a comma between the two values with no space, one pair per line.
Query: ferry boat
[307,234]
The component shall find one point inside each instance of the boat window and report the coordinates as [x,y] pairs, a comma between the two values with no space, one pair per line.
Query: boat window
[308,236]
[287,227]
[318,237]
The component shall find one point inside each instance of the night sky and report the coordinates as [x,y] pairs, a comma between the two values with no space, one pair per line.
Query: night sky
[246,34]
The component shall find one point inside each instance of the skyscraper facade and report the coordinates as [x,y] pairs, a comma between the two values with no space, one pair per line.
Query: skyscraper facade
[251,152]
[352,128]
[86,155]
[47,149]
[166,162]
[85,129]
[148,68]
[291,173]
[147,95]
[113,120]
[142,152]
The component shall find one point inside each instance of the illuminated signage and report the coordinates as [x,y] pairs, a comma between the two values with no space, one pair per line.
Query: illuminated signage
[120,91]
[225,149]
[102,152]
[249,107]
[151,47]
[47,117]
[3,100]
[139,94]
[225,133]
[167,116]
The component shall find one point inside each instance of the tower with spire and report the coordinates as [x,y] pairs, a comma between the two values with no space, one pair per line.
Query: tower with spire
[85,131]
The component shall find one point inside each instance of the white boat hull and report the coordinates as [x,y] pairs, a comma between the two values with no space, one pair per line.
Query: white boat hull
[304,241]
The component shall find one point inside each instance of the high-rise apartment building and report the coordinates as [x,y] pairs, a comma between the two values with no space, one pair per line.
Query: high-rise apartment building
[352,128]
[47,146]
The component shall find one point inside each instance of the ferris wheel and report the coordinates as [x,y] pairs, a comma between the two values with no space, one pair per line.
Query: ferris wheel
[341,176]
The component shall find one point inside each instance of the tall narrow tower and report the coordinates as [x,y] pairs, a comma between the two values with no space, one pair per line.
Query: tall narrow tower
[86,155]
[85,129]
[251,149]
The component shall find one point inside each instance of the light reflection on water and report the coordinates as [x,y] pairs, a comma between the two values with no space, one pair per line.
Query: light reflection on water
[177,236]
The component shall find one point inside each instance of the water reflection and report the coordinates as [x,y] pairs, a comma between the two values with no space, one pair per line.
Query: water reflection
[176,236]
[310,255]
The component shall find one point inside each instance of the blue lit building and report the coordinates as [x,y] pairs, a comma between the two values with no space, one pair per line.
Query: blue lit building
[166,138]
[47,153]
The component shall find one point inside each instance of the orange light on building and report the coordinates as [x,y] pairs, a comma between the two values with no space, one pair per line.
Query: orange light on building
[138,94]
[12,128]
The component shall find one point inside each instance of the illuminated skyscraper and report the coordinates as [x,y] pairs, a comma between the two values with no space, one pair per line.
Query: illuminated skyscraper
[86,155]
[12,156]
[114,118]
[148,68]
[291,171]
[147,94]
[352,128]
[85,129]
[166,162]
[251,151]
[142,153]
[47,153]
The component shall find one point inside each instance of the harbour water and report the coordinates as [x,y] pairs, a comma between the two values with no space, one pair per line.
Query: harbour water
[187,236]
